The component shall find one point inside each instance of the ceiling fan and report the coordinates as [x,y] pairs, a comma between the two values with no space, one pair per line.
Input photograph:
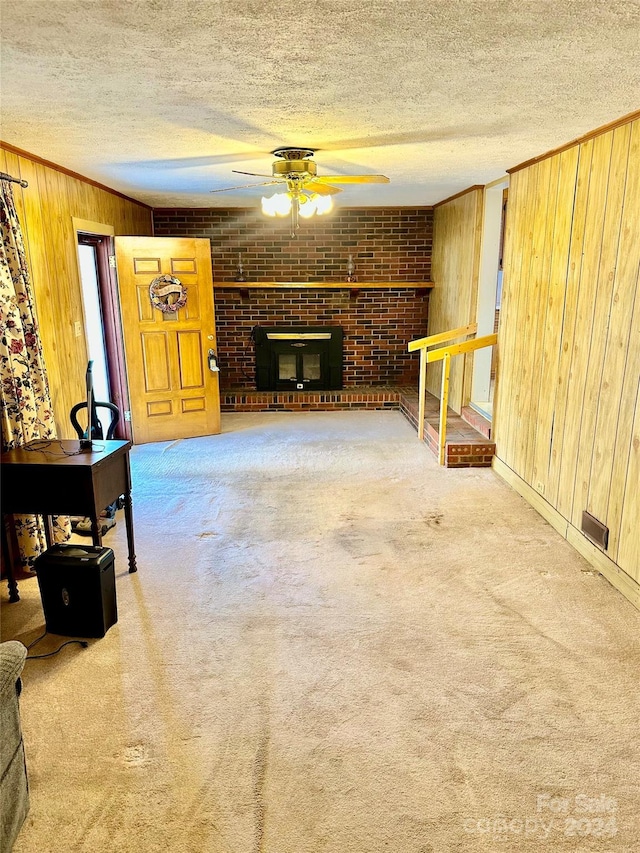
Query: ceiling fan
[306,192]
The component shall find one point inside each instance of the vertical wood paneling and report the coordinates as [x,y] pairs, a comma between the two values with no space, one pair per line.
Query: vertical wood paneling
[548,378]
[567,332]
[46,210]
[12,167]
[532,321]
[601,323]
[516,256]
[621,365]
[567,419]
[585,308]
[629,541]
[538,323]
[455,270]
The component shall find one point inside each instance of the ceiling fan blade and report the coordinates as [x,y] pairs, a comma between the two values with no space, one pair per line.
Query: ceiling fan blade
[193,162]
[245,186]
[321,188]
[352,179]
[255,174]
[411,137]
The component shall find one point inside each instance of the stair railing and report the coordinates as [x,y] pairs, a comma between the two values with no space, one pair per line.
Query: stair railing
[445,355]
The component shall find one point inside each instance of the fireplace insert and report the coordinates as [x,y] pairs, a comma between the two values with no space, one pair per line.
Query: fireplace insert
[298,358]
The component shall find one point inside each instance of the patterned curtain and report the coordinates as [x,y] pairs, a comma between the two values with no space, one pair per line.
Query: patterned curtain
[27,413]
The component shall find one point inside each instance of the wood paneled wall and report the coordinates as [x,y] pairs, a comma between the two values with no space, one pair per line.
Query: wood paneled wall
[455,266]
[567,418]
[46,209]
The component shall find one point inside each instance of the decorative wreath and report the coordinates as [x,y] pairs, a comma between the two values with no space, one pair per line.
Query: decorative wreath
[160,291]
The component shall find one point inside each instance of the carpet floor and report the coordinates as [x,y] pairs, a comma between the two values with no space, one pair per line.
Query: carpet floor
[332,645]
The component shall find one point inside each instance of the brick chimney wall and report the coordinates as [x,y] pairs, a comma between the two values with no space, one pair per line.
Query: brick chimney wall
[388,245]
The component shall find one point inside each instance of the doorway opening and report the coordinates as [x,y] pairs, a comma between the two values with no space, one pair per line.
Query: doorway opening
[489,295]
[93,325]
[102,324]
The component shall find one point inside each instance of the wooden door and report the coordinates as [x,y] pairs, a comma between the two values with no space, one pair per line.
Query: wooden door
[173,393]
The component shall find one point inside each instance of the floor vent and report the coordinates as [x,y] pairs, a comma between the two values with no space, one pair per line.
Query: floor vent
[595,530]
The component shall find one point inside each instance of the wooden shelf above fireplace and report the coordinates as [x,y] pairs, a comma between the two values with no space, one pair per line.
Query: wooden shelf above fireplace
[323,285]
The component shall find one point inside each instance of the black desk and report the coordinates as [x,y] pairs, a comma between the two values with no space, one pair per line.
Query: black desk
[50,477]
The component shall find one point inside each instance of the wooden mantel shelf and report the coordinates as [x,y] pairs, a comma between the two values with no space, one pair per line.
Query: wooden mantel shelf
[318,285]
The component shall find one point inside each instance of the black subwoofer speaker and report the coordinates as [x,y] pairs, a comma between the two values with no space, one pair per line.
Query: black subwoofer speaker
[78,589]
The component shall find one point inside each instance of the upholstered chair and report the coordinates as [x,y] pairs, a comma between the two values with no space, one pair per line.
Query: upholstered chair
[14,792]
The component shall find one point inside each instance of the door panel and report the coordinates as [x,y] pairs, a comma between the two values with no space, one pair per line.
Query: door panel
[173,392]
[190,361]
[142,265]
[155,362]
[193,305]
[145,308]
[179,265]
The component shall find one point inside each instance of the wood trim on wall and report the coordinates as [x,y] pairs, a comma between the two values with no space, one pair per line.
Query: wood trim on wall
[461,193]
[35,159]
[605,128]
[86,226]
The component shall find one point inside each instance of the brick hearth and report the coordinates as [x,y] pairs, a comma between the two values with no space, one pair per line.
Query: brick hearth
[379,397]
[465,447]
[377,326]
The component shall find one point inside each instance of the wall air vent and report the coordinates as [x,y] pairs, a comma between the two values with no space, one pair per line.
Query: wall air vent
[595,530]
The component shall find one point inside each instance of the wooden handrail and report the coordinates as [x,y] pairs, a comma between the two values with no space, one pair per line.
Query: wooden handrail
[442,337]
[465,346]
[421,344]
[443,354]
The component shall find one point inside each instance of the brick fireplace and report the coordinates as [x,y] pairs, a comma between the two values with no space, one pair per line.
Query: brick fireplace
[390,246]
[376,324]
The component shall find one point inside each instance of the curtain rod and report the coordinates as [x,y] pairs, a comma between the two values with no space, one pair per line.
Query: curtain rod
[5,177]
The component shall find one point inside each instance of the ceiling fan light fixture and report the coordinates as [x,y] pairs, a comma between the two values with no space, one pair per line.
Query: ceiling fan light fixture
[308,194]
[307,206]
[324,204]
[278,204]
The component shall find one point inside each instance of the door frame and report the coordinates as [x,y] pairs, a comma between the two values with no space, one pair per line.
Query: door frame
[177,396]
[488,285]
[111,317]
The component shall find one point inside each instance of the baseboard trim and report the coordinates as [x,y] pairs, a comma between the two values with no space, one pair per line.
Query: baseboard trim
[618,578]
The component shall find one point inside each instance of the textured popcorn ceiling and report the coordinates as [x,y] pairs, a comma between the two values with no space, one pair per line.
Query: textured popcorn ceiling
[161,100]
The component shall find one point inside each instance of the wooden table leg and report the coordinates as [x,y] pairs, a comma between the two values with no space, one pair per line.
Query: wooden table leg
[12,583]
[96,530]
[48,530]
[9,556]
[128,517]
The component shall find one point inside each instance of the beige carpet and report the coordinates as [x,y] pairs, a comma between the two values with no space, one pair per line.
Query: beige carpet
[334,645]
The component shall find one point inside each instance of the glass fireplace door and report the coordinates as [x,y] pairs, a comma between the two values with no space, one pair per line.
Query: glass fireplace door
[300,367]
[298,358]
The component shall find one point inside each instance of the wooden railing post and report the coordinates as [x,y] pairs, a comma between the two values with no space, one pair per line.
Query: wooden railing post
[443,354]
[422,392]
[444,402]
